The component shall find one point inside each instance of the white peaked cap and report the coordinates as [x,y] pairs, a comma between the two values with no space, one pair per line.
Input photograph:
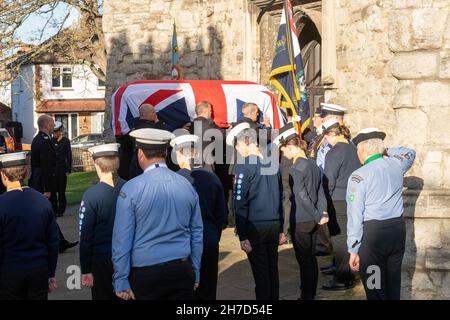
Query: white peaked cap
[367,134]
[152,136]
[333,107]
[183,139]
[331,123]
[235,131]
[13,159]
[58,125]
[105,150]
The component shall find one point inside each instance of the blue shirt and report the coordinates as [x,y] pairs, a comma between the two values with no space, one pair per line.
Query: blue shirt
[158,219]
[321,153]
[374,192]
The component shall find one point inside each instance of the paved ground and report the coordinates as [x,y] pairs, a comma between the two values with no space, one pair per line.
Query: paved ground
[235,277]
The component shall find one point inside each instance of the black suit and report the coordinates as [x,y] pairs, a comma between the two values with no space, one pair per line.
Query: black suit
[43,168]
[43,163]
[199,127]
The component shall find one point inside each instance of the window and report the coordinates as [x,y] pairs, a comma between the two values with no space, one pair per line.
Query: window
[61,77]
[101,83]
[70,124]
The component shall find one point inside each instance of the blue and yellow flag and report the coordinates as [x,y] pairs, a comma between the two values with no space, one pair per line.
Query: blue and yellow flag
[287,74]
[176,70]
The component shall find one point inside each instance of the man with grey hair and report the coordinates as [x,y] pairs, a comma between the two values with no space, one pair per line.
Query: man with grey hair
[375,210]
[43,167]
[147,119]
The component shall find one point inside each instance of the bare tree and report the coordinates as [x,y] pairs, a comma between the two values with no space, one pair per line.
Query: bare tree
[79,44]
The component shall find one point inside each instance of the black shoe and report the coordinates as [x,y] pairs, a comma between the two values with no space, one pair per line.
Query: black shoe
[67,245]
[59,215]
[337,286]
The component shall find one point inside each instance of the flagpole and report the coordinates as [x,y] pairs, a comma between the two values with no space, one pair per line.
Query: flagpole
[291,60]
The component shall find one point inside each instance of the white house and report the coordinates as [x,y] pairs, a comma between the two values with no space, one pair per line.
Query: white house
[70,93]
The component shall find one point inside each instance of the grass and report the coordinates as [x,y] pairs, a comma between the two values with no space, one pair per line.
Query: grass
[77,184]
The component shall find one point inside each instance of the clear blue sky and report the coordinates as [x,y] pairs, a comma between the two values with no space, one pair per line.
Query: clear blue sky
[31,29]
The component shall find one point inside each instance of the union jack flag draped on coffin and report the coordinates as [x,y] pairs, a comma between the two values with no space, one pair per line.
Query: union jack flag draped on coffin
[175,102]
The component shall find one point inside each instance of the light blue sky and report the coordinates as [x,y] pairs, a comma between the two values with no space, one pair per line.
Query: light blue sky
[30,30]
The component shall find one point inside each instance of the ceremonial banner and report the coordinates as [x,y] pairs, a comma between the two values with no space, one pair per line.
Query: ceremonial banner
[176,69]
[287,73]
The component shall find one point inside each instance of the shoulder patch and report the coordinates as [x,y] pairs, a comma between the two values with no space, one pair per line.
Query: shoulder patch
[356,178]
[122,195]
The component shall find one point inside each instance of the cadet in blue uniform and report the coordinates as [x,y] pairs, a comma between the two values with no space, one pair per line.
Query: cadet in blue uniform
[308,207]
[341,161]
[259,210]
[158,231]
[28,235]
[376,230]
[43,167]
[212,205]
[63,168]
[97,212]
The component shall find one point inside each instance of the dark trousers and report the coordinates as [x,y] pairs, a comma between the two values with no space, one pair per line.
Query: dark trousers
[304,236]
[58,198]
[170,281]
[263,259]
[208,274]
[103,273]
[24,285]
[323,244]
[382,248]
[341,256]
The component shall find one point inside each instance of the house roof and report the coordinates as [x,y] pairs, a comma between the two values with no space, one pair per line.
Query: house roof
[52,106]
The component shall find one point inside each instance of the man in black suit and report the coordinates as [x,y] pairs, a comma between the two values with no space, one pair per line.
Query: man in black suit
[200,127]
[43,167]
[147,119]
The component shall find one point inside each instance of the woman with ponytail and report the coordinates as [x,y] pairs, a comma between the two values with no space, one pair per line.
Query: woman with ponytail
[340,162]
[97,214]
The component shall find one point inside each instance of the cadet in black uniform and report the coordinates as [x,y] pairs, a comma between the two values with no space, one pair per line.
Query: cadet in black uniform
[259,211]
[28,235]
[97,213]
[43,167]
[213,208]
[308,208]
[340,162]
[63,168]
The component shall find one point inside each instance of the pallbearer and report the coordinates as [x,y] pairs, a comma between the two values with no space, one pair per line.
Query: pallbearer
[259,211]
[308,207]
[158,231]
[376,230]
[97,212]
[212,205]
[28,235]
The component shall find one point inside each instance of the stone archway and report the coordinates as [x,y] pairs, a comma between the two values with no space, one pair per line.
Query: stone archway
[308,23]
